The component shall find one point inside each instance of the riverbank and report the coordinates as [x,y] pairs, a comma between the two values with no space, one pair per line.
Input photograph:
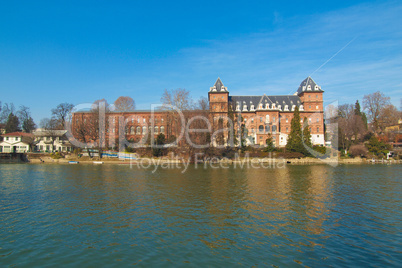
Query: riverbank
[292,161]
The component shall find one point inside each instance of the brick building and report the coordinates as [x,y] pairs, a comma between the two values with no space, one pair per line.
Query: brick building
[259,116]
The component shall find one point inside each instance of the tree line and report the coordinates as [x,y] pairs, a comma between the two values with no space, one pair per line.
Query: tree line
[363,130]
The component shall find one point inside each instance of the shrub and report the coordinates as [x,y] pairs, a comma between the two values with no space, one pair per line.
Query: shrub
[358,150]
[56,155]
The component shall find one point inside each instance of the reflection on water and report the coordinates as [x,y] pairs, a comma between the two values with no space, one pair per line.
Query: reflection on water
[111,215]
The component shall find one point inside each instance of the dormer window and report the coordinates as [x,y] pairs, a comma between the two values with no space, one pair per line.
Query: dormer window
[273,105]
[261,106]
[244,107]
[267,106]
[237,107]
[279,107]
[301,108]
[316,87]
[286,107]
[252,107]
[308,87]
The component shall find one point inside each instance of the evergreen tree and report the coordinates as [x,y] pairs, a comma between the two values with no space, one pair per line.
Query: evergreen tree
[295,142]
[377,147]
[12,124]
[357,108]
[28,125]
[160,140]
[306,136]
[364,118]
[270,144]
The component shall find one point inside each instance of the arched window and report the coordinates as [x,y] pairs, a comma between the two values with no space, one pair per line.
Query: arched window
[266,129]
[261,129]
[274,128]
[144,129]
[156,129]
[132,130]
[162,129]
[273,119]
[138,130]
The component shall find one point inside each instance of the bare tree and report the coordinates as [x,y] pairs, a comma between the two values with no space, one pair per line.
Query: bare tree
[27,122]
[124,104]
[179,98]
[351,126]
[389,115]
[374,103]
[202,104]
[61,112]
[6,110]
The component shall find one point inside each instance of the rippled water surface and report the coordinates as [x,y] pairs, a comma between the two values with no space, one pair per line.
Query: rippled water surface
[109,215]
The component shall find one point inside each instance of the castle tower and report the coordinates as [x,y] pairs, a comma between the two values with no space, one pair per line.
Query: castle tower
[310,95]
[218,97]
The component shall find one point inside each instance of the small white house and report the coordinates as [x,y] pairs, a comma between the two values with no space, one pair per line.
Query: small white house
[16,142]
[51,140]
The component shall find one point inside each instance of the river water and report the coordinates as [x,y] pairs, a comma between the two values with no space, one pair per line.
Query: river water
[110,215]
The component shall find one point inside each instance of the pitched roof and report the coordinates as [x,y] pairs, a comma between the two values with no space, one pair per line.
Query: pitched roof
[18,134]
[308,84]
[281,100]
[44,133]
[218,86]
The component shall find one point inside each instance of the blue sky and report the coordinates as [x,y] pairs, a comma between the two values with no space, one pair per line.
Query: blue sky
[69,51]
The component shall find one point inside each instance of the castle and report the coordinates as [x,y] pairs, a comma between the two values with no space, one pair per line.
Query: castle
[259,117]
[263,116]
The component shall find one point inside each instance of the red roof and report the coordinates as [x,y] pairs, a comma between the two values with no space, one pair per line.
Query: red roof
[18,134]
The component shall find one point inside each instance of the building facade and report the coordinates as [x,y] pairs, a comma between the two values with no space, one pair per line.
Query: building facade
[266,116]
[51,140]
[259,117]
[16,142]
